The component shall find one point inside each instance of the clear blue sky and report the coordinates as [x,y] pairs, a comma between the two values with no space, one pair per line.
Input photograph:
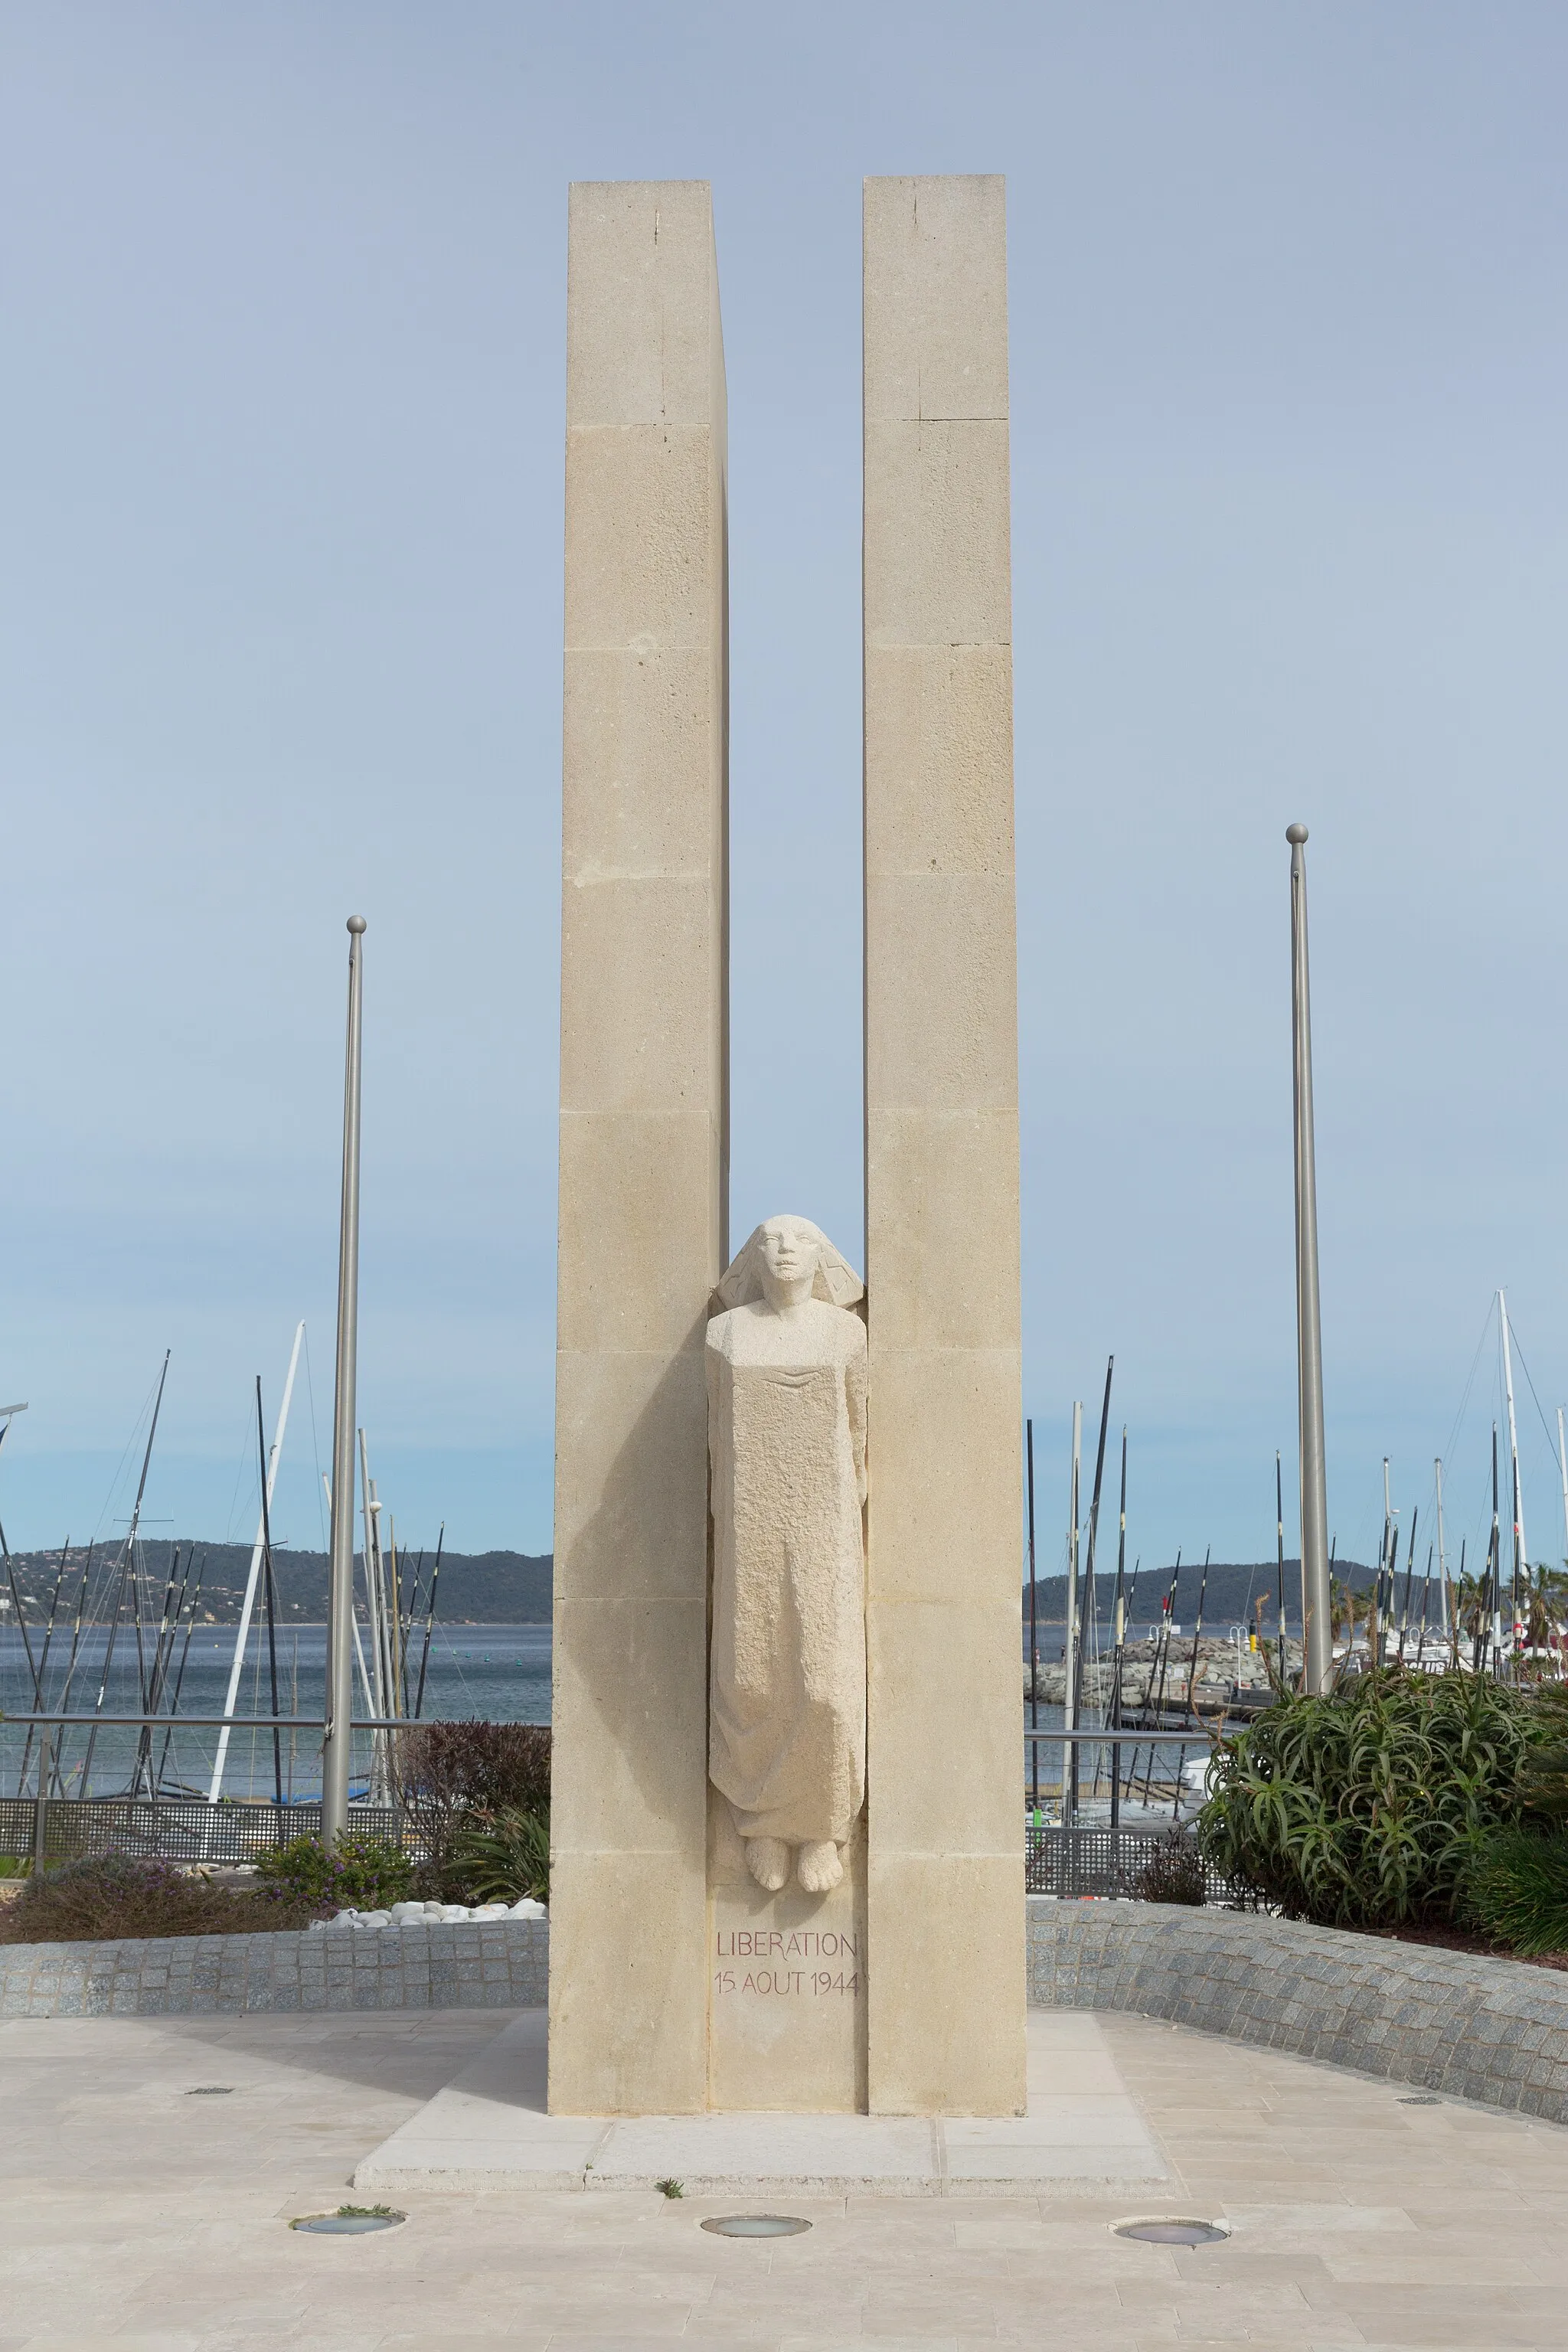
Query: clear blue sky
[283,292]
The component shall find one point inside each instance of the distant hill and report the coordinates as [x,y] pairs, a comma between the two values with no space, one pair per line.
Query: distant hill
[1232,1596]
[513,1588]
[487,1587]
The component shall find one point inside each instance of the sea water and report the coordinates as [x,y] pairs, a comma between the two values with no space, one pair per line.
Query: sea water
[499,1672]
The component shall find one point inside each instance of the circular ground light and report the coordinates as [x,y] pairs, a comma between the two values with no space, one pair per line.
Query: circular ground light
[1173,2233]
[755,2225]
[1427,2099]
[347,2224]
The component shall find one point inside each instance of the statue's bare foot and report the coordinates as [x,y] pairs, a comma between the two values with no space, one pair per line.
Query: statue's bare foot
[767,1859]
[818,1868]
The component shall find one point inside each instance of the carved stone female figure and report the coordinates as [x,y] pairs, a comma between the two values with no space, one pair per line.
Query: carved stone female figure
[786,1434]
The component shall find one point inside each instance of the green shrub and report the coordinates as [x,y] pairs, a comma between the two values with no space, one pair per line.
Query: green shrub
[1543,1781]
[501,1859]
[103,1896]
[1515,1890]
[361,1873]
[453,1774]
[477,1766]
[1173,1871]
[1364,1807]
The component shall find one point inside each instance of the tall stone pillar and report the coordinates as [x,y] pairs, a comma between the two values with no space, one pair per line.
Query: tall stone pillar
[945,1824]
[644,1147]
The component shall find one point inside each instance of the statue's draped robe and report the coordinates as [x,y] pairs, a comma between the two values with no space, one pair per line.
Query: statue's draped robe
[786,1420]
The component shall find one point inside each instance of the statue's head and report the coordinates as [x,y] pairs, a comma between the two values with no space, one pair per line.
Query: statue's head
[785,1251]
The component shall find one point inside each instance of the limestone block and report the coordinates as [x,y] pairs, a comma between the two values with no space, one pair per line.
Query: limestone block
[946,1997]
[936,301]
[626,2036]
[644,544]
[946,1184]
[636,1188]
[959,1788]
[642,318]
[939,728]
[939,495]
[634,1031]
[631,1505]
[634,1672]
[787,2015]
[635,717]
[953,1047]
[933,1528]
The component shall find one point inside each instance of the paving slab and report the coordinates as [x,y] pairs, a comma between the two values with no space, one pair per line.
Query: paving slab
[140,2219]
[490,2128]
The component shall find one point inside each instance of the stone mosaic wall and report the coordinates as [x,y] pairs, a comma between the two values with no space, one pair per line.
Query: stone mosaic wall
[1454,2022]
[450,1964]
[1447,2021]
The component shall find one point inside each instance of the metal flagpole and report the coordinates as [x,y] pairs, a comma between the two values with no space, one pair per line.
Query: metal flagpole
[340,1592]
[1317,1655]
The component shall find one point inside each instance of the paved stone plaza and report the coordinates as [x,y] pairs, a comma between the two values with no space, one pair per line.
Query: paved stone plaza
[145,2217]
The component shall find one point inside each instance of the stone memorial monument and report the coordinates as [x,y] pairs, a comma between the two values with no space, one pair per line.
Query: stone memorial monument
[787,1816]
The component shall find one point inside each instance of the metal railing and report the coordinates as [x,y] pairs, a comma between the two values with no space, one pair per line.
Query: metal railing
[173,1828]
[1072,1864]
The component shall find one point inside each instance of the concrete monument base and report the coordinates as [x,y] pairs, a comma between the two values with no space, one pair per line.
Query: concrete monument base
[490,2128]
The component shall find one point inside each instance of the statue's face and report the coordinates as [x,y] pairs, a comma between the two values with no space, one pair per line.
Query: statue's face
[790,1250]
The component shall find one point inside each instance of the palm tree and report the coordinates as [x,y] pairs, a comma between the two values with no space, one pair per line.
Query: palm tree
[1347,1608]
[1472,1606]
[1544,1609]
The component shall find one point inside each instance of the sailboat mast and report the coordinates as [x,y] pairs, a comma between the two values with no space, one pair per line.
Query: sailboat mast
[153,1684]
[1279,1545]
[258,1549]
[1090,1613]
[1521,1556]
[1118,1639]
[1092,1599]
[1494,1566]
[1410,1572]
[1198,1630]
[430,1622]
[1442,1555]
[271,1594]
[1034,1625]
[39,1680]
[1161,1659]
[1426,1604]
[126,1560]
[1069,1693]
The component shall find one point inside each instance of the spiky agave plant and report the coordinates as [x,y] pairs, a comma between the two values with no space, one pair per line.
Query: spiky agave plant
[501,1856]
[1365,1806]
